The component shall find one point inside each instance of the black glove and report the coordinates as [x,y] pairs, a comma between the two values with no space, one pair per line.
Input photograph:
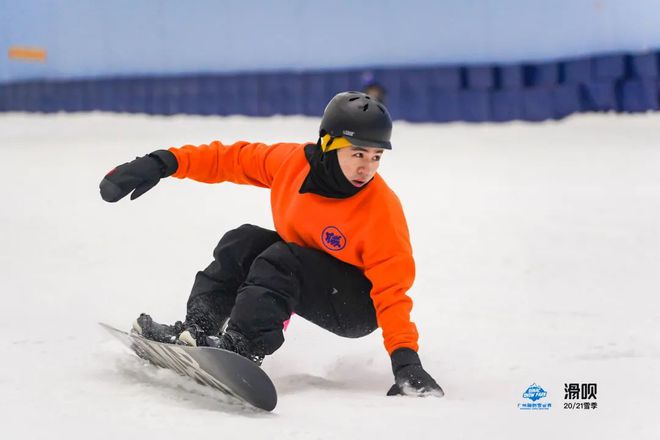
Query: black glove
[409,377]
[140,175]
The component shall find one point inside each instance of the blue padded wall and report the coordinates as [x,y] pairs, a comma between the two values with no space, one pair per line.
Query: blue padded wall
[474,93]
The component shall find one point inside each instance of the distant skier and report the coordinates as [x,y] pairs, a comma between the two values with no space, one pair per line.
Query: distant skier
[340,257]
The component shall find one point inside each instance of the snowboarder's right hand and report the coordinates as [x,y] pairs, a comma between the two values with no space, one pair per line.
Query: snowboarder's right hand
[410,378]
[139,175]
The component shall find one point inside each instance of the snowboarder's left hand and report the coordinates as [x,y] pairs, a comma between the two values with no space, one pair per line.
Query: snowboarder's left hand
[410,378]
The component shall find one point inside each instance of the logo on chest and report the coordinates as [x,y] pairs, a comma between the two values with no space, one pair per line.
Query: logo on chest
[333,239]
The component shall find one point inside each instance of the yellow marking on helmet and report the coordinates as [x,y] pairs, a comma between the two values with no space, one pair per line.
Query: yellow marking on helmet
[336,144]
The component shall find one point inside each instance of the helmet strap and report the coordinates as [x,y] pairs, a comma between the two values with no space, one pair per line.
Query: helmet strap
[329,143]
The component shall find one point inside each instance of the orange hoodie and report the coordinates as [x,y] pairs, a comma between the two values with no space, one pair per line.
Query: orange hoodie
[367,230]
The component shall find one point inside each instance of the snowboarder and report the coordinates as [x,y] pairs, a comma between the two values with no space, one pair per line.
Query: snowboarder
[340,255]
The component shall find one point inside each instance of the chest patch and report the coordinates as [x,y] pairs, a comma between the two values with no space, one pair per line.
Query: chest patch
[333,239]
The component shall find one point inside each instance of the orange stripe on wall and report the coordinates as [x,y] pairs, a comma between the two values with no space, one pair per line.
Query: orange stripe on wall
[27,53]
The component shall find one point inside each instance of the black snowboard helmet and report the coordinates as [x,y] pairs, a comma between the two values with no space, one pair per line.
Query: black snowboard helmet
[358,117]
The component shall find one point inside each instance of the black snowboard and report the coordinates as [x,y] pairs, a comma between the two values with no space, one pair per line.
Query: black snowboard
[220,369]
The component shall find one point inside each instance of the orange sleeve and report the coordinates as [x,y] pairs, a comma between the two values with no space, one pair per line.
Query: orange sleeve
[390,267]
[242,162]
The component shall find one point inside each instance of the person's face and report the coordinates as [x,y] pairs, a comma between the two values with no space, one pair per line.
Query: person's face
[359,164]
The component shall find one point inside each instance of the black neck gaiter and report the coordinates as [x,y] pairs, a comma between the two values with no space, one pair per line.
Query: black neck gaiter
[325,176]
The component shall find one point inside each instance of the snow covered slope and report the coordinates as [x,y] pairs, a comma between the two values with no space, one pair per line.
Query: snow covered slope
[538,253]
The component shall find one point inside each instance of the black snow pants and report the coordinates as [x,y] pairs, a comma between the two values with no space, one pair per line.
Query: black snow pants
[257,281]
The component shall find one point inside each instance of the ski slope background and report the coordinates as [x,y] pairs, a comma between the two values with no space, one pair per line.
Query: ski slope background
[538,257]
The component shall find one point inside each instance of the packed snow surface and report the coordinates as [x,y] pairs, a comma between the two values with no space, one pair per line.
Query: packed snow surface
[538,262]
